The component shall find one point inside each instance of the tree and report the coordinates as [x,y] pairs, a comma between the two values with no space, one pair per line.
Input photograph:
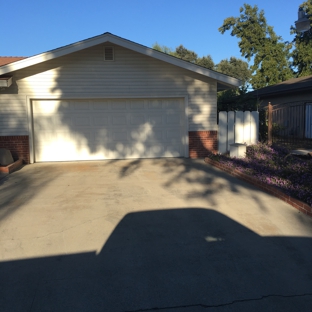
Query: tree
[191,56]
[302,43]
[164,49]
[185,54]
[236,68]
[206,61]
[237,97]
[258,41]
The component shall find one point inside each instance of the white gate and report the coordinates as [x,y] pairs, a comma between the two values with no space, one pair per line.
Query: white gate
[237,127]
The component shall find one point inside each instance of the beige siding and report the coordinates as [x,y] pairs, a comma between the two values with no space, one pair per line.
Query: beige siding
[86,74]
[13,115]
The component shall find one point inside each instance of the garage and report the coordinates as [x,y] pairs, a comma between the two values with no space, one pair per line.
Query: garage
[94,129]
[107,97]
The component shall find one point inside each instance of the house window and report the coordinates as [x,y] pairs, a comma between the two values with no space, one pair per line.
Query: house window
[108,53]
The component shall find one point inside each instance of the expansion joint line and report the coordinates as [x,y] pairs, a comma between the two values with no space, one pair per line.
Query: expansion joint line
[205,306]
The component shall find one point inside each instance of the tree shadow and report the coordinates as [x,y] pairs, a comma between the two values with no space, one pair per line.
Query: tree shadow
[167,259]
[204,181]
[21,186]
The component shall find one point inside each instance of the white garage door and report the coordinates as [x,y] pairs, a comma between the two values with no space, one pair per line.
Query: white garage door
[108,129]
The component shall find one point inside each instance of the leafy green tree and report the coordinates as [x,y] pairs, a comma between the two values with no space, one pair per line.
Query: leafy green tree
[185,54]
[258,42]
[236,68]
[206,61]
[239,69]
[163,48]
[236,99]
[302,44]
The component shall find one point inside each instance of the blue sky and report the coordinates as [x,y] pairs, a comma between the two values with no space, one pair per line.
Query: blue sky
[30,27]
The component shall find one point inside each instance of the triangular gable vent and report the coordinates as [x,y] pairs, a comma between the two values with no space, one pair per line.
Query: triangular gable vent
[108,54]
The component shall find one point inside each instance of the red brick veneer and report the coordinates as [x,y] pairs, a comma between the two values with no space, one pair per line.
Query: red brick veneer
[298,204]
[202,142]
[18,145]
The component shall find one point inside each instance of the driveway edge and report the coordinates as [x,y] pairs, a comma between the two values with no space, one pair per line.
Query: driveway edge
[298,204]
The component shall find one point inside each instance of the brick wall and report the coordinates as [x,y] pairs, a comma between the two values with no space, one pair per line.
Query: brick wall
[202,142]
[17,145]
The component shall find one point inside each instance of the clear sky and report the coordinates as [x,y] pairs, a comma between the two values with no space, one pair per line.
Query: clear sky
[30,27]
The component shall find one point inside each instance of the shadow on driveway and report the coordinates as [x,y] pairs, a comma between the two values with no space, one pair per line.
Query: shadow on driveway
[168,260]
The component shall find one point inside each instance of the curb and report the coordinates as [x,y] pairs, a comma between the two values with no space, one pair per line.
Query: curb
[298,204]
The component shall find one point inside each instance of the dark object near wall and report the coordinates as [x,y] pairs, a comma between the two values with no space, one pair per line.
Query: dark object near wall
[5,157]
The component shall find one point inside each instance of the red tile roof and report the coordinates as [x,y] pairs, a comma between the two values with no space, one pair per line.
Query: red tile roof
[4,60]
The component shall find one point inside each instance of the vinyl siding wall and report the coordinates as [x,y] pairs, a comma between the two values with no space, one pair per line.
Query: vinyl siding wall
[86,74]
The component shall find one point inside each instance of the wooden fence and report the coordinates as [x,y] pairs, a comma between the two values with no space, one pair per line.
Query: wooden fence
[290,123]
[237,127]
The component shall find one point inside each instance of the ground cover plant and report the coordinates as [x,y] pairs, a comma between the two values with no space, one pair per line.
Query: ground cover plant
[269,164]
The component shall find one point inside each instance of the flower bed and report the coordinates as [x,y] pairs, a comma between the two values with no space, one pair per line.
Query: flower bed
[291,175]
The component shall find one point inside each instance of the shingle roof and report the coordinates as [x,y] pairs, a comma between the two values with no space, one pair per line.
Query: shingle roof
[4,60]
[291,85]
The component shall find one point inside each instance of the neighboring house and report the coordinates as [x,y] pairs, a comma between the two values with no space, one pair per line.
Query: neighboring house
[292,106]
[4,60]
[108,98]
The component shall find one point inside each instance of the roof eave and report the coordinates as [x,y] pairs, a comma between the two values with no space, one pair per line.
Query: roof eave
[280,92]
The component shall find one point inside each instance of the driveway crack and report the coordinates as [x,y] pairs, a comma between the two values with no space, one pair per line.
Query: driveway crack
[205,306]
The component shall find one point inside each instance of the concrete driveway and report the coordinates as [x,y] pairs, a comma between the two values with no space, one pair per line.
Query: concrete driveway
[148,235]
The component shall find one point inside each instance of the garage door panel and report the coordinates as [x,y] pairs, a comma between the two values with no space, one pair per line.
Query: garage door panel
[137,106]
[82,121]
[108,129]
[45,107]
[155,104]
[44,123]
[100,106]
[136,135]
[172,134]
[157,135]
[173,105]
[119,135]
[154,151]
[100,121]
[56,121]
[82,106]
[137,119]
[172,119]
[119,106]
[119,120]
[156,120]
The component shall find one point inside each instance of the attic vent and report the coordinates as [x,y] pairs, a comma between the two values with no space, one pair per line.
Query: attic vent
[108,54]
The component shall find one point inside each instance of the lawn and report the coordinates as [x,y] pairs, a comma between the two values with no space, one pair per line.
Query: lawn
[292,175]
